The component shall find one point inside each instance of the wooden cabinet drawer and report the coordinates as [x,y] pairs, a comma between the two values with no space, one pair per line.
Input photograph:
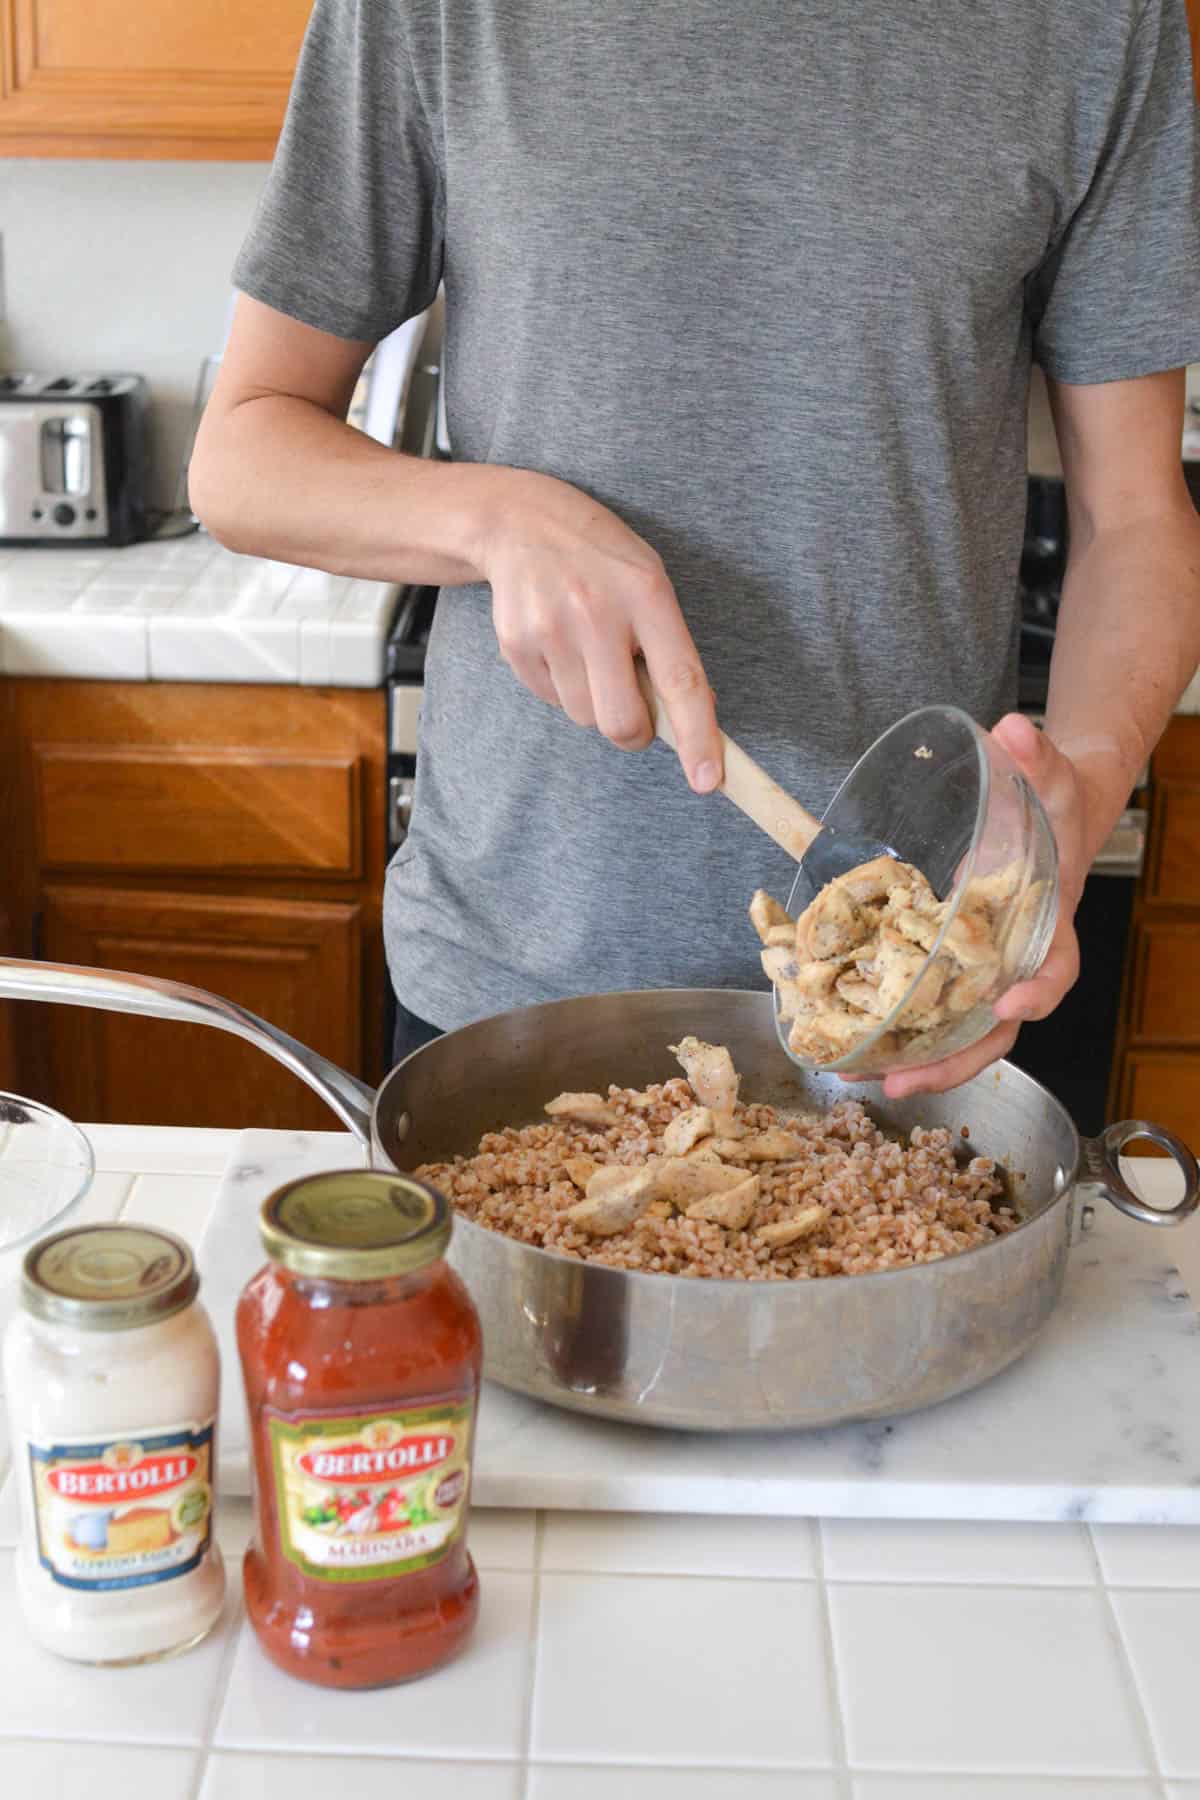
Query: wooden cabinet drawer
[1175,854]
[1164,1087]
[200,810]
[297,964]
[1166,982]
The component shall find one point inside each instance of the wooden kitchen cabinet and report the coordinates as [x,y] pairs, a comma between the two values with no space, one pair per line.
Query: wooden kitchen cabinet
[129,78]
[1156,1071]
[232,838]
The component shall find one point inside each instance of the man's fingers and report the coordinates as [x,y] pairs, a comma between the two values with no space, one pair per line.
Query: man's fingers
[621,712]
[935,1078]
[679,679]
[570,678]
[1038,997]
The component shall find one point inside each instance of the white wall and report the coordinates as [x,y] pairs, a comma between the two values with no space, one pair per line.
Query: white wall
[123,265]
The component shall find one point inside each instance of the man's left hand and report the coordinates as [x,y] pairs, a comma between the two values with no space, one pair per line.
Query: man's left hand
[1059,787]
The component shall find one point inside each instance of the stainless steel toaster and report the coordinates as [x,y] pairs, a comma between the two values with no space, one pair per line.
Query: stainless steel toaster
[72,459]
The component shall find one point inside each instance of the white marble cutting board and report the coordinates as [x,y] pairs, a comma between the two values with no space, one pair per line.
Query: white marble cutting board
[1099,1421]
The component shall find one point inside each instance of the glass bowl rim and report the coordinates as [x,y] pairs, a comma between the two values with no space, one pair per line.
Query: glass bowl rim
[87,1164]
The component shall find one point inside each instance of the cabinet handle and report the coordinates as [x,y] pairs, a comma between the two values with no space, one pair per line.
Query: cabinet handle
[400,805]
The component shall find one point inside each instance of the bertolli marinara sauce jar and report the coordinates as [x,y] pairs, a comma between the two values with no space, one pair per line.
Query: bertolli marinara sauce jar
[361,1354]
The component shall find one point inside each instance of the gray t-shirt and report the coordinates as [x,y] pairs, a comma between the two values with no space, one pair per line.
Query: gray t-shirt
[766,280]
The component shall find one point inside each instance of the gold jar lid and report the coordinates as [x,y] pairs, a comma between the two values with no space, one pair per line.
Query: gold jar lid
[108,1277]
[355,1225]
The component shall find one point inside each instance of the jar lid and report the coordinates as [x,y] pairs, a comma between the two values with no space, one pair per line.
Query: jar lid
[355,1225]
[108,1277]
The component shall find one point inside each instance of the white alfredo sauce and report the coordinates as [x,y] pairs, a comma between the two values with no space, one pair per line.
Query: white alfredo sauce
[111,1374]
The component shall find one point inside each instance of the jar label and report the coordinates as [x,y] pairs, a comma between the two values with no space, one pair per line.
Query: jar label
[364,1496]
[123,1512]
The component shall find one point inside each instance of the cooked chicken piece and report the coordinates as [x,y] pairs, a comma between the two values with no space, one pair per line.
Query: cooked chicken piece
[702,1153]
[734,1209]
[618,1204]
[825,1036]
[918,930]
[969,938]
[790,1231]
[780,964]
[682,1181]
[1017,941]
[583,1109]
[641,1101]
[766,915]
[900,962]
[971,986]
[832,925]
[783,936]
[580,1169]
[761,1146]
[686,1130]
[995,890]
[709,1068]
[874,881]
[862,994]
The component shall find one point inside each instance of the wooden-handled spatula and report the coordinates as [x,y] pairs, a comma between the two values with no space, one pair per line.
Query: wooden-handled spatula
[825,854]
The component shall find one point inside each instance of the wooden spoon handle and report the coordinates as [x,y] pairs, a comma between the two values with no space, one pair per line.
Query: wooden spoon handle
[746,783]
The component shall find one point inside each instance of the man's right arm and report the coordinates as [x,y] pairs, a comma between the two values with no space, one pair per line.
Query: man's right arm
[276,471]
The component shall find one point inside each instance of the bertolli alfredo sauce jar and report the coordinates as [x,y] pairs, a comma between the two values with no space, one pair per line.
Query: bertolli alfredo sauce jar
[111,1374]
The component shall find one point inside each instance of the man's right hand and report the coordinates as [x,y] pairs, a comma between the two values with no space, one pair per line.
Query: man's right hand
[576,595]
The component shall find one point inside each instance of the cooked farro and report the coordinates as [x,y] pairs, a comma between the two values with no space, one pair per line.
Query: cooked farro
[885,1204]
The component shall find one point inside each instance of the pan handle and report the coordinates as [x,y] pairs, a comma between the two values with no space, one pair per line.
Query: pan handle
[1100,1168]
[113,990]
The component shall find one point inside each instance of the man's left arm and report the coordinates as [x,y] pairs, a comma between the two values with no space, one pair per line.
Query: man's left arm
[1127,644]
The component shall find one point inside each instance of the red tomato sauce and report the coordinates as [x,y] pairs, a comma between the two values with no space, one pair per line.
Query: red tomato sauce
[362,1398]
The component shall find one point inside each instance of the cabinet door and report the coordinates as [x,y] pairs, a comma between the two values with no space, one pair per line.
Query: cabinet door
[295,963]
[131,78]
[1166,982]
[1164,1087]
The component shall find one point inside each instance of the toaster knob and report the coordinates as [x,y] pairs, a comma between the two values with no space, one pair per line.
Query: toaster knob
[64,514]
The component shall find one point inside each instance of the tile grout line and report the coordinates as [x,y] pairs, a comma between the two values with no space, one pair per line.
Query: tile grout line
[841,1753]
[220,1692]
[1145,1729]
[531,1662]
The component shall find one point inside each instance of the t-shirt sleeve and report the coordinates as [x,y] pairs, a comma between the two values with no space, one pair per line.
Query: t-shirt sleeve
[348,233]
[1119,294]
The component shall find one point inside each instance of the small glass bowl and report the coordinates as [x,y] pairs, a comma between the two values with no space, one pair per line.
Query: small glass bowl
[46,1167]
[945,797]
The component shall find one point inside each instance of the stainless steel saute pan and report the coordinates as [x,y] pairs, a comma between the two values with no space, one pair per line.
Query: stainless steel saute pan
[675,1351]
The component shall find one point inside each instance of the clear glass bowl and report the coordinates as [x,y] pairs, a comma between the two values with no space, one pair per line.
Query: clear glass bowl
[945,797]
[46,1167]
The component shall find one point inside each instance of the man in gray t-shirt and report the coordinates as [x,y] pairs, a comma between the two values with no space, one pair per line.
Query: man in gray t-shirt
[740,311]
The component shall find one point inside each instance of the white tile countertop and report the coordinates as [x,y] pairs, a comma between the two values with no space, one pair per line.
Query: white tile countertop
[657,1657]
[185,609]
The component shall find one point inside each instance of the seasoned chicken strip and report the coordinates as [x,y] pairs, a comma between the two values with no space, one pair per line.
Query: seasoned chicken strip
[584,1109]
[761,1146]
[733,1209]
[790,1231]
[766,915]
[709,1068]
[617,1204]
[682,1181]
[687,1129]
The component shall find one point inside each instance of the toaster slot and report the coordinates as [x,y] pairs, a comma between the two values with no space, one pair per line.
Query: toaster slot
[66,446]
